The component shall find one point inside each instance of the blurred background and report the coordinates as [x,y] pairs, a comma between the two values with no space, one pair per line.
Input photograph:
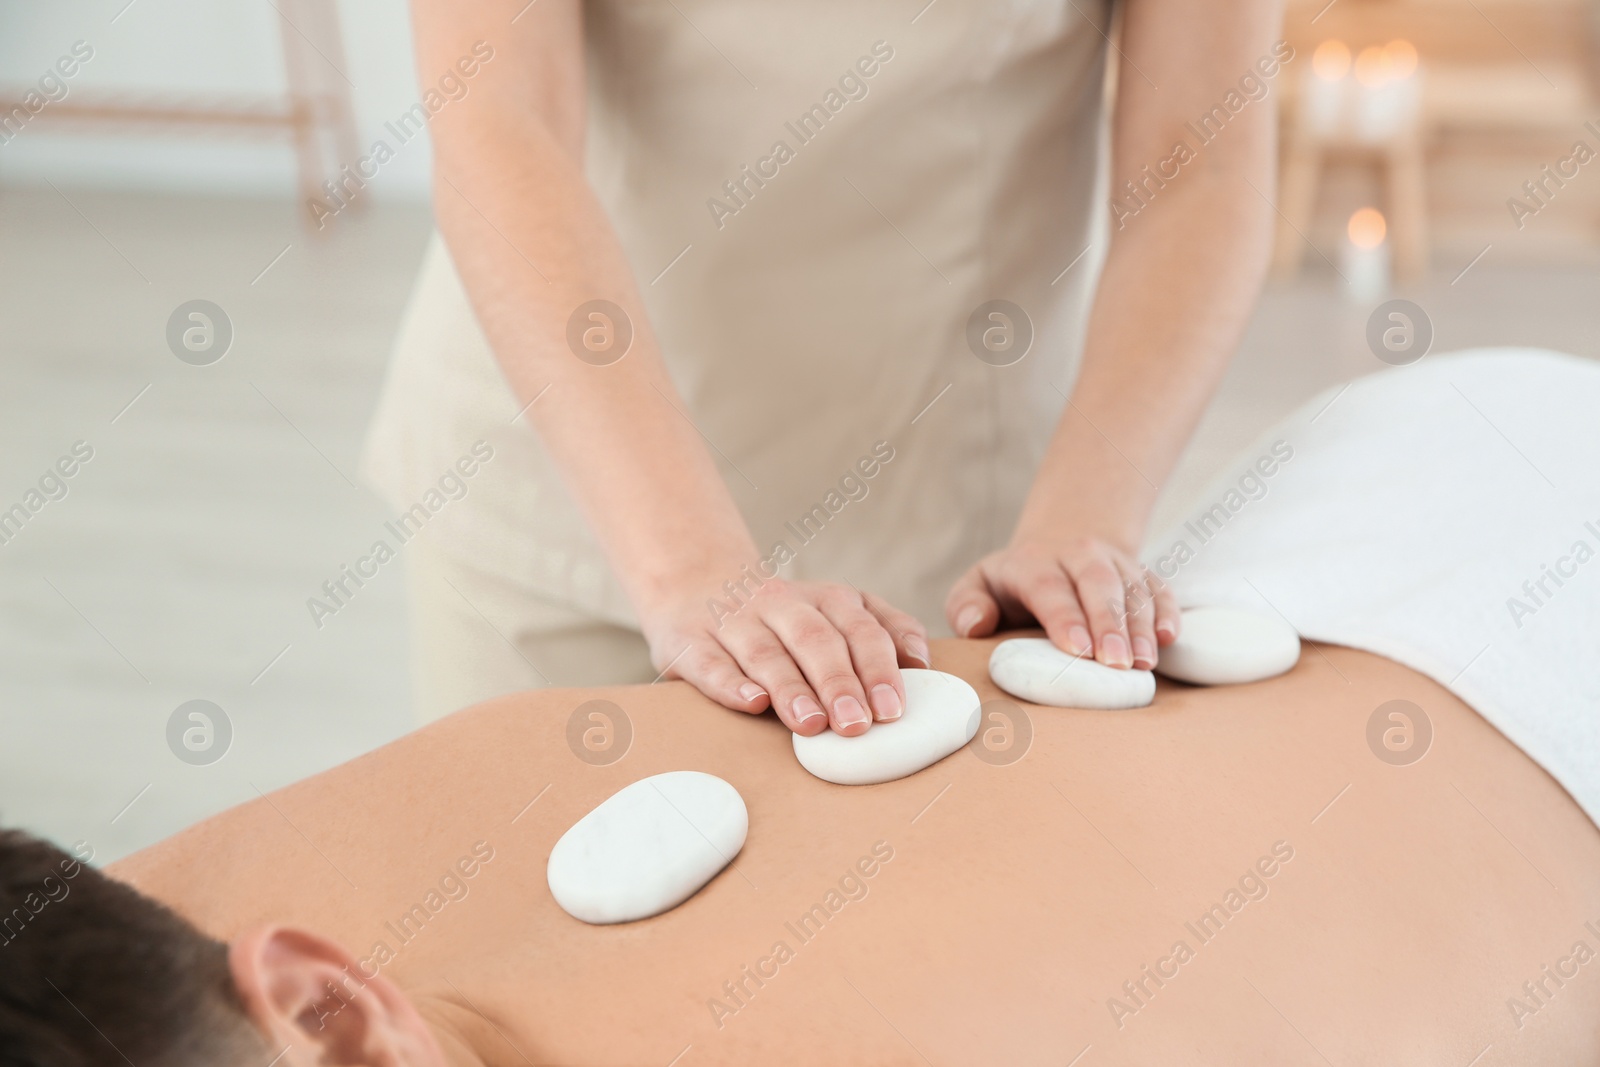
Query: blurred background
[1439,151]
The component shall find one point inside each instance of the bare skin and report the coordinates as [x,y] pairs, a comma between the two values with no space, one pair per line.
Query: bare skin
[532,242]
[1018,899]
[1178,285]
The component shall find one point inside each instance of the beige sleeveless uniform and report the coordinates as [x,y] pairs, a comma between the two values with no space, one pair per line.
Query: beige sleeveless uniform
[816,198]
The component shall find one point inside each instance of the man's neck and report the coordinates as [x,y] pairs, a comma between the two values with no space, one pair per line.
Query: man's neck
[455,1027]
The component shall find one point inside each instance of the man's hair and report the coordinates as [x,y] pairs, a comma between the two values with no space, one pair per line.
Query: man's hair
[93,973]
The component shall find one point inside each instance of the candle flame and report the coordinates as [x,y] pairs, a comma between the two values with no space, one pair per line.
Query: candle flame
[1402,58]
[1331,60]
[1374,66]
[1367,228]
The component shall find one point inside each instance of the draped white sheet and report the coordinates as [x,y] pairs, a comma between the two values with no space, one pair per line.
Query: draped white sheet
[1445,515]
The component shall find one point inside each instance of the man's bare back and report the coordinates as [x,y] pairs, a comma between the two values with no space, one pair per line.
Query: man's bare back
[1231,875]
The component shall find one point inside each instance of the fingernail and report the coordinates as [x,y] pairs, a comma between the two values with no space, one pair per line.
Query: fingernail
[1144,655]
[1081,644]
[1166,630]
[885,702]
[970,616]
[1114,651]
[751,691]
[848,712]
[804,709]
[918,649]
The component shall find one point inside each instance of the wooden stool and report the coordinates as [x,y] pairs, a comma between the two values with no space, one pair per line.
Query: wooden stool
[1400,157]
[315,111]
[1370,109]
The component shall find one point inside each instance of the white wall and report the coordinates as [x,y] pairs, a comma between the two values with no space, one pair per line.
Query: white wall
[196,47]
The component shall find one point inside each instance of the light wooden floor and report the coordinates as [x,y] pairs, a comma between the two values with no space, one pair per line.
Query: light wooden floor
[179,565]
[219,498]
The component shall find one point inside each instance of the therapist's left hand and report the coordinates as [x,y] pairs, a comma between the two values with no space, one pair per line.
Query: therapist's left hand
[1090,596]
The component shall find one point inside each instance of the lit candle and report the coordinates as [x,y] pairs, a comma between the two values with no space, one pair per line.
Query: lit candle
[1323,87]
[1374,117]
[1405,79]
[1402,58]
[1364,258]
[1388,93]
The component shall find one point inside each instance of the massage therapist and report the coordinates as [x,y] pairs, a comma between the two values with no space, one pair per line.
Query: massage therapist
[786,326]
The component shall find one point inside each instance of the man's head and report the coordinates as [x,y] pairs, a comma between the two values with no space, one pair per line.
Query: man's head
[93,972]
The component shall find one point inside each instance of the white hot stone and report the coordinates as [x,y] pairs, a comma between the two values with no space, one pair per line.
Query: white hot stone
[648,847]
[1033,669]
[1229,646]
[941,716]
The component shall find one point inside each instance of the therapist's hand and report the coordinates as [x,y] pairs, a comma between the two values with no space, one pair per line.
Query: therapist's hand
[615,425]
[1090,596]
[821,654]
[1179,279]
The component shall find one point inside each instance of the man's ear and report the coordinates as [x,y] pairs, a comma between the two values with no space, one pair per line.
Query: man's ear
[307,993]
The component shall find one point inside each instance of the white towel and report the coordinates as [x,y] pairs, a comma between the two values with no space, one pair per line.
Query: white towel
[1445,515]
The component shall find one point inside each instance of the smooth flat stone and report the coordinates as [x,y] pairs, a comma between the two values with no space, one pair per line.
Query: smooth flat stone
[1035,670]
[648,847]
[1229,646]
[941,716]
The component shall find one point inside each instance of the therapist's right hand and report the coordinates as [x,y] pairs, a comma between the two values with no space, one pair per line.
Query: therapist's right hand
[820,654]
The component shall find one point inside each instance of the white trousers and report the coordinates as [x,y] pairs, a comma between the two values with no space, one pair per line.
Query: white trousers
[475,636]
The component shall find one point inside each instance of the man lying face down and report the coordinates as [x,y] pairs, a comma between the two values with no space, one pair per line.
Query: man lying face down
[1153,882]
[93,972]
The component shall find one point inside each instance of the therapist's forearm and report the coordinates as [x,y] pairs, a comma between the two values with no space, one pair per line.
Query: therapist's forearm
[1174,296]
[1182,273]
[532,244]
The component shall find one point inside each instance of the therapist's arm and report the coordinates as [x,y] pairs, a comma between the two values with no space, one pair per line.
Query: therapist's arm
[1180,279]
[532,244]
